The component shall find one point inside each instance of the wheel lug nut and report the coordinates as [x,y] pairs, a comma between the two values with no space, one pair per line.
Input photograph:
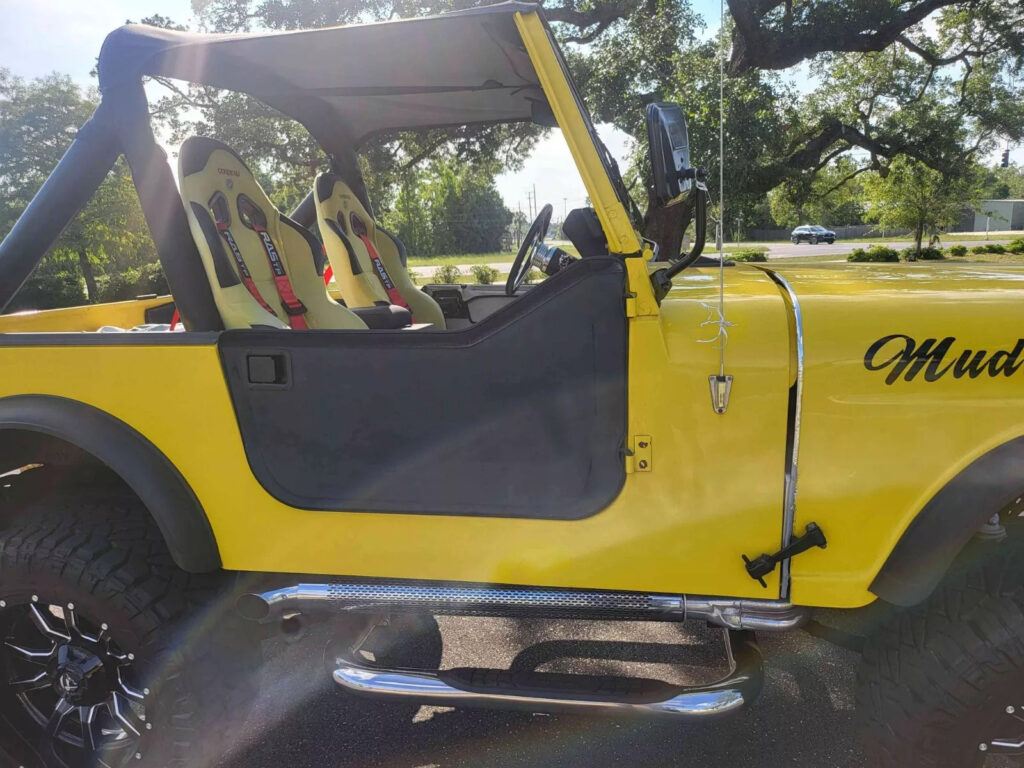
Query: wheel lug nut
[3,603]
[131,657]
[35,598]
[138,755]
[71,606]
[983,747]
[149,726]
[145,691]
[104,627]
[1010,710]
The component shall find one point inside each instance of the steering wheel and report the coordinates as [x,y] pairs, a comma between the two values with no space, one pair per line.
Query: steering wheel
[524,259]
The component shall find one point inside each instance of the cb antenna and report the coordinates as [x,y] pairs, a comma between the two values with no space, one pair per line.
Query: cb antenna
[721,382]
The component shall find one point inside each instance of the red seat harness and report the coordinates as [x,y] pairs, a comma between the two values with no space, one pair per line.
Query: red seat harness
[253,218]
[394,295]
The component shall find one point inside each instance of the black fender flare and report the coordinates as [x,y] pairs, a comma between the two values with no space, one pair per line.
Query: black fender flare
[947,522]
[153,478]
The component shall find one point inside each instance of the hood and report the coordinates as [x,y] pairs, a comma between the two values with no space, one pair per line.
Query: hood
[920,281]
[902,323]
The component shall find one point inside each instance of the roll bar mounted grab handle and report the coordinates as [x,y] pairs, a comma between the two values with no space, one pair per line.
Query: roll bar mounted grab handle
[662,278]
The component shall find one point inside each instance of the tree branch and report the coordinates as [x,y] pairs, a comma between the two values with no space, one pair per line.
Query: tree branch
[760,45]
[842,181]
[592,22]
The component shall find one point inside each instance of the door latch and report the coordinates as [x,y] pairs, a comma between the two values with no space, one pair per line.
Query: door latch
[762,565]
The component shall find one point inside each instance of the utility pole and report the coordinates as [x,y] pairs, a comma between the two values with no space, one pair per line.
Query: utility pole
[519,226]
[535,201]
[565,206]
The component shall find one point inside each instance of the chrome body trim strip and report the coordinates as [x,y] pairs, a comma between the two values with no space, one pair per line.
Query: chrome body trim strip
[789,502]
[737,689]
[526,602]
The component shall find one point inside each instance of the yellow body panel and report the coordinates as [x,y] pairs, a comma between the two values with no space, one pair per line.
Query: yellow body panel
[122,314]
[872,454]
[669,529]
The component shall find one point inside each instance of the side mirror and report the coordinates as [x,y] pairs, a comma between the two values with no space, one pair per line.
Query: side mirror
[669,141]
[672,175]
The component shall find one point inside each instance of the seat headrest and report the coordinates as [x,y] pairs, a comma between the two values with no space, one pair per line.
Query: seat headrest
[196,151]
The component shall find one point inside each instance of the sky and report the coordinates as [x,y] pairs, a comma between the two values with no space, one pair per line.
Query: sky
[42,36]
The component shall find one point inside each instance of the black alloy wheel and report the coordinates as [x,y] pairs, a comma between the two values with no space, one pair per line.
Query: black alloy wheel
[75,683]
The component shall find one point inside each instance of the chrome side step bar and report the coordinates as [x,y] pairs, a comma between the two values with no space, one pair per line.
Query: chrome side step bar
[540,692]
[525,602]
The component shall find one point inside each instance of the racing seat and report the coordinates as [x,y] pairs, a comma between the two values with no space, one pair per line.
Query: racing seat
[264,269]
[368,263]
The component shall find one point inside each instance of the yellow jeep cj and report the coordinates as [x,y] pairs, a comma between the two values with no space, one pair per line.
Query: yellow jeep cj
[371,454]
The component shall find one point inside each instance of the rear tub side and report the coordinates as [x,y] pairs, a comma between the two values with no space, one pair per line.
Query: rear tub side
[91,317]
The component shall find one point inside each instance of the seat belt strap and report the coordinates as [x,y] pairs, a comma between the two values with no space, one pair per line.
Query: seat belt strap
[294,308]
[243,270]
[394,295]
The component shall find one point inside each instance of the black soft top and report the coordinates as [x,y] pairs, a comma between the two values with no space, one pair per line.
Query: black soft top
[347,83]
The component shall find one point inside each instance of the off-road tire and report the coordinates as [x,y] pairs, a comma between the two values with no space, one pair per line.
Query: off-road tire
[104,556]
[935,682]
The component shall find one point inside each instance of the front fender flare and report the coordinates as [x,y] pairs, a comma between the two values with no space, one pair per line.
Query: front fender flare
[935,537]
[153,478]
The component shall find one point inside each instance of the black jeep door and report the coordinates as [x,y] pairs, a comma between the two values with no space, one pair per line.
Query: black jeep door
[521,415]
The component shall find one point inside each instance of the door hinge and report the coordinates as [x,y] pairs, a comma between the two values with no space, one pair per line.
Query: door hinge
[631,305]
[639,455]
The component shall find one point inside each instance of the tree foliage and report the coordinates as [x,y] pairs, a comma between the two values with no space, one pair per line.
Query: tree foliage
[1003,183]
[38,120]
[918,198]
[448,209]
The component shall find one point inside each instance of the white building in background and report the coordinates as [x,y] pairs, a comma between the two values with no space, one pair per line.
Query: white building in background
[995,215]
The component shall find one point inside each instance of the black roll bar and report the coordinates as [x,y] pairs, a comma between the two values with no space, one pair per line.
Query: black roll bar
[119,124]
[165,215]
[77,176]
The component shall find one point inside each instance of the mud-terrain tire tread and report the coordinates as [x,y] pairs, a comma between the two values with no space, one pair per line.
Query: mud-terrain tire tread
[941,668]
[106,545]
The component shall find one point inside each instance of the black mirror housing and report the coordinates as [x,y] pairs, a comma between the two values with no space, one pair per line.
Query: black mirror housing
[669,143]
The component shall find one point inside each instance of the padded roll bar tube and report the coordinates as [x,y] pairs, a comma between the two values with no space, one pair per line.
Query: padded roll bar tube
[77,176]
[305,212]
[162,207]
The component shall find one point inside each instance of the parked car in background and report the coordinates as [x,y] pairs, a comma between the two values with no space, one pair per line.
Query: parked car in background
[813,234]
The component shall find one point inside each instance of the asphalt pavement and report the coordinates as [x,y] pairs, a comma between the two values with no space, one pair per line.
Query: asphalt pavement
[803,719]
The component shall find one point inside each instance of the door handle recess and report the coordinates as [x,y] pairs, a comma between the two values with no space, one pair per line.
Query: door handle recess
[269,370]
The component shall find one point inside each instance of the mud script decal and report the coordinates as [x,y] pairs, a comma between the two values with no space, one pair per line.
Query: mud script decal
[903,356]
